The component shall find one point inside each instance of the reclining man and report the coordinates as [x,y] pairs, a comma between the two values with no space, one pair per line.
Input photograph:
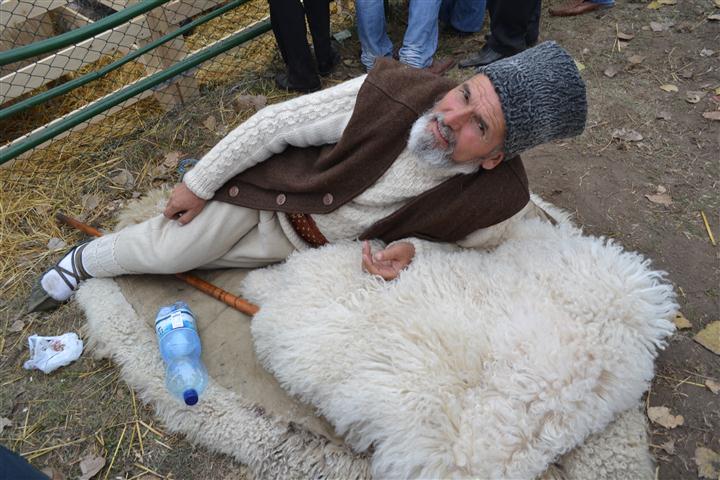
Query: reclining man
[400,155]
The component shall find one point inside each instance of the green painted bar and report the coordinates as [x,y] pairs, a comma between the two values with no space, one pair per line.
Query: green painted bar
[79,34]
[89,77]
[130,91]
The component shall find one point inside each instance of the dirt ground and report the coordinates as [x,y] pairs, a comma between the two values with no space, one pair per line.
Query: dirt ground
[85,409]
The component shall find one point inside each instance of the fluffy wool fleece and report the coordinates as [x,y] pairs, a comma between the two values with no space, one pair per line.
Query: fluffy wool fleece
[472,364]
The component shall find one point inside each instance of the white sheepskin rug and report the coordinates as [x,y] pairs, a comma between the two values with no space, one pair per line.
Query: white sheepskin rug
[522,361]
[472,364]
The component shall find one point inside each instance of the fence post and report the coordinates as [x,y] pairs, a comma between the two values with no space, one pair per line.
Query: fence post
[165,56]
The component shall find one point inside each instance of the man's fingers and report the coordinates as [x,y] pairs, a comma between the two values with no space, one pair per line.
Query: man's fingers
[186,217]
[377,268]
[170,210]
[373,265]
[393,252]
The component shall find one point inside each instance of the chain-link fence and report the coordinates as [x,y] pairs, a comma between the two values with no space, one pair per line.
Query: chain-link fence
[57,75]
[95,93]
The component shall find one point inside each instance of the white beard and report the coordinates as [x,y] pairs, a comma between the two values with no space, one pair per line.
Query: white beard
[423,144]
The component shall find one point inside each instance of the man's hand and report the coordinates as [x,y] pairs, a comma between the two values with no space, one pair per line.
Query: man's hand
[183,205]
[389,262]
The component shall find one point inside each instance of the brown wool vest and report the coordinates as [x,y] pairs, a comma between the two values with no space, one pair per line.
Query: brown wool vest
[319,180]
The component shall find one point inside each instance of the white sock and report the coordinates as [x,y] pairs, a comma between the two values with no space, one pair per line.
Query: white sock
[56,286]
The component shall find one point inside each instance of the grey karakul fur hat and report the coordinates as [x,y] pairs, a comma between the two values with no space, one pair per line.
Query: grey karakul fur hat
[542,96]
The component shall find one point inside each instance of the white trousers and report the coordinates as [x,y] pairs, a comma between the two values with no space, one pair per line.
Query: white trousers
[221,236]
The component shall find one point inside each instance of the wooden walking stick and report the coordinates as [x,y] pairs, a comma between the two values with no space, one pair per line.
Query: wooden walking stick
[206,287]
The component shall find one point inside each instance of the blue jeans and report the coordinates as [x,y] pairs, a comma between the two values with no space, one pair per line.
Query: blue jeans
[463,15]
[420,40]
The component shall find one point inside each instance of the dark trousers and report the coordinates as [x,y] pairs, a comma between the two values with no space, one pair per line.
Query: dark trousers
[287,18]
[514,25]
[13,466]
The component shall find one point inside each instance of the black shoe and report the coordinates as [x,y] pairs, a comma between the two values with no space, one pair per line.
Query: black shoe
[485,56]
[325,69]
[283,82]
[450,30]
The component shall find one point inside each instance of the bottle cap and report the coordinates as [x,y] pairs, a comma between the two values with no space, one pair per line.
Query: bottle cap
[190,396]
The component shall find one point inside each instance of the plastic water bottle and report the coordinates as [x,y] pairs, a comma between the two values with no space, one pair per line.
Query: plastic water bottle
[185,374]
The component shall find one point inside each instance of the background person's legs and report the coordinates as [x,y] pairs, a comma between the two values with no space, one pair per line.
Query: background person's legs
[509,22]
[287,18]
[374,40]
[318,17]
[533,29]
[421,37]
[163,246]
[465,16]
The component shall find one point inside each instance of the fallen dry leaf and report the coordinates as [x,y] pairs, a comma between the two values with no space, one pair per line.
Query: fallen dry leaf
[625,36]
[662,416]
[669,87]
[709,337]
[715,17]
[669,447]
[706,52]
[580,66]
[42,209]
[246,102]
[712,115]
[90,202]
[611,71]
[681,322]
[171,160]
[4,422]
[717,3]
[708,463]
[56,243]
[90,465]
[16,326]
[717,91]
[658,27]
[627,135]
[210,123]
[53,474]
[654,5]
[713,386]
[667,2]
[123,178]
[636,59]
[693,96]
[660,199]
[663,115]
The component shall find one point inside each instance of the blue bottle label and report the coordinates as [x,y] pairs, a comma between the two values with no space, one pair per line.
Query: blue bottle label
[180,318]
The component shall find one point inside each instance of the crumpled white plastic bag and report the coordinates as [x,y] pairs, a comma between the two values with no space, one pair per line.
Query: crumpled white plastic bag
[50,353]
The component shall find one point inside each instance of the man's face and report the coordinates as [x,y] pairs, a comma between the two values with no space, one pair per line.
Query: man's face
[468,124]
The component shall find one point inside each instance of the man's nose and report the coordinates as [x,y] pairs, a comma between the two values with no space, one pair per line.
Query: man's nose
[457,117]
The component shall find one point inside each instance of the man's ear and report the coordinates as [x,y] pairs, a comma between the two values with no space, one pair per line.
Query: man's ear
[493,161]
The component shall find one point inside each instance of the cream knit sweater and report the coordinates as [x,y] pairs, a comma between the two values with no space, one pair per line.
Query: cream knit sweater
[317,119]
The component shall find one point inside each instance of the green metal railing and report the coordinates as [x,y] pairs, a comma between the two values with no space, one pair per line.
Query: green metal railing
[114,99]
[89,77]
[79,34]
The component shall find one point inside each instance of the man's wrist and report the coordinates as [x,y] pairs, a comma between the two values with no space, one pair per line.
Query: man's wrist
[198,185]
